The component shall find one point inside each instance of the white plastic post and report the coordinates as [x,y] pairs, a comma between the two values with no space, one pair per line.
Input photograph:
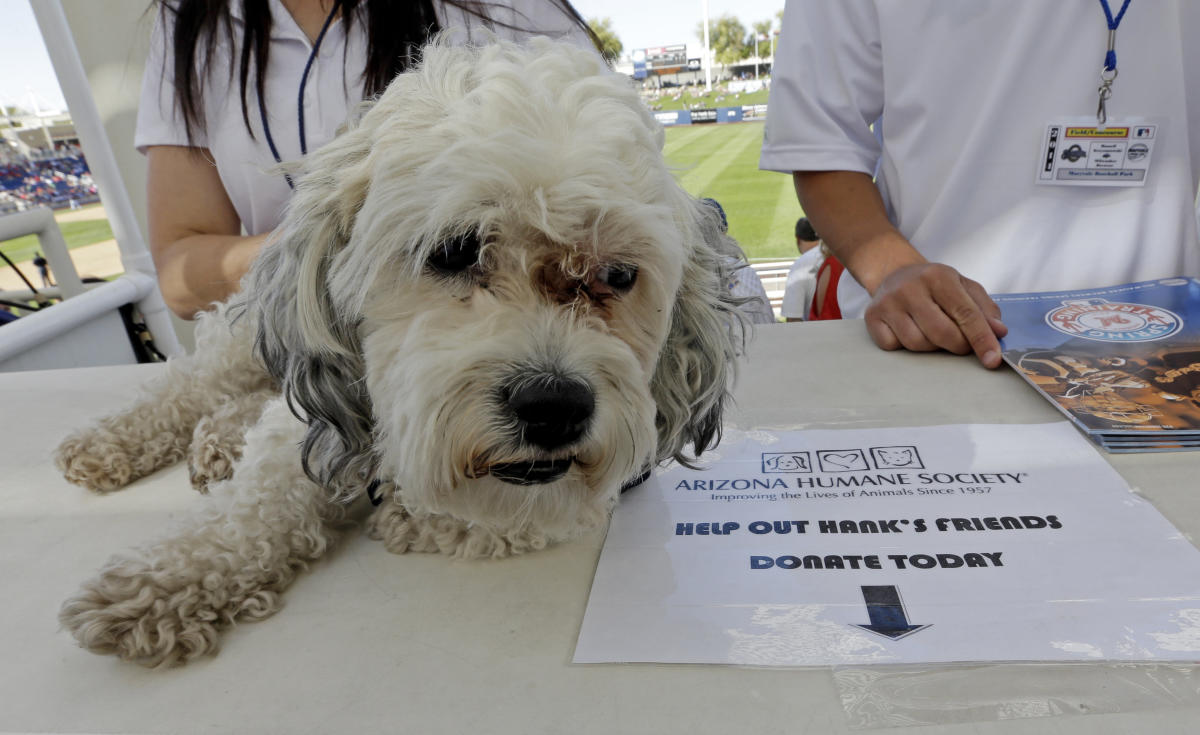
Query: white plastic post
[72,78]
[40,221]
[43,327]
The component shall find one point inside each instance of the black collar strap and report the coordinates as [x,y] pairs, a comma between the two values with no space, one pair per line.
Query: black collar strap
[635,481]
[373,491]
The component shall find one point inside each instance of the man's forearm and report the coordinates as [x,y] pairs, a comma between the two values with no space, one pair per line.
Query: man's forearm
[848,213]
[915,304]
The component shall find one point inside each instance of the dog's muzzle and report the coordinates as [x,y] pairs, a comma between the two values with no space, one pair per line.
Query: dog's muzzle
[550,412]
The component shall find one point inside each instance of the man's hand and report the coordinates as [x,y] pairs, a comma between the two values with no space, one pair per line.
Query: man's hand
[930,306]
[915,304]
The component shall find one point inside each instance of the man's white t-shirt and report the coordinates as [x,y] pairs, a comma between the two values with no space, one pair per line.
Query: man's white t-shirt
[801,285]
[332,91]
[964,92]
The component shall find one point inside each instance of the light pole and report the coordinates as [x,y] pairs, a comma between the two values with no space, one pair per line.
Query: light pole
[756,56]
[37,111]
[707,53]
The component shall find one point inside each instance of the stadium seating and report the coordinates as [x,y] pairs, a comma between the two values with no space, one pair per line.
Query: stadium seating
[55,182]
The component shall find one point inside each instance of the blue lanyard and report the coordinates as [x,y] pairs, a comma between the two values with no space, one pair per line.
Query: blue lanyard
[1109,72]
[262,109]
[1110,58]
[321,37]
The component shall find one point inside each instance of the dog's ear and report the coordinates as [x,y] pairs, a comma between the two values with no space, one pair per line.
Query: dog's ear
[307,342]
[696,366]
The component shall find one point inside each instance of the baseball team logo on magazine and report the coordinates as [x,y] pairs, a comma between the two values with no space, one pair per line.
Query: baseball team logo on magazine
[1113,321]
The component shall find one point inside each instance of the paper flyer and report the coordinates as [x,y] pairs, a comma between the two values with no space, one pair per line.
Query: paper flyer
[930,544]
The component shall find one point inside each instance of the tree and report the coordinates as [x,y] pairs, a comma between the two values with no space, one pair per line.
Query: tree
[610,46]
[727,37]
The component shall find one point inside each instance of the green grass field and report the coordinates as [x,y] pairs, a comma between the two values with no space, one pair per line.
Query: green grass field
[76,234]
[721,161]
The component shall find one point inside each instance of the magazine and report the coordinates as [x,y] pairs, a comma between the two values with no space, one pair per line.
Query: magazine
[1122,362]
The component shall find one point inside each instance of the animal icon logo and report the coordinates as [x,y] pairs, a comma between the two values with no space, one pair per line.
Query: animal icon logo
[889,458]
[842,460]
[796,462]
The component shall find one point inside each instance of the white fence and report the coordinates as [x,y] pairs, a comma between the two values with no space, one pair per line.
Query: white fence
[773,274]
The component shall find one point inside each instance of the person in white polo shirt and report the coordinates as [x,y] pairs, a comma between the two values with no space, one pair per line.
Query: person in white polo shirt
[214,129]
[802,276]
[931,147]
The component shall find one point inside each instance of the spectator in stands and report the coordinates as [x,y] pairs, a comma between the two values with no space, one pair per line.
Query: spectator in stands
[802,277]
[825,292]
[745,284]
[210,140]
[52,182]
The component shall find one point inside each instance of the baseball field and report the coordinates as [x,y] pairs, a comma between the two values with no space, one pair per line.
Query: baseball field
[721,161]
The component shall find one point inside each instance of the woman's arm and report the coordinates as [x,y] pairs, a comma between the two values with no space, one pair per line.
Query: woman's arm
[195,233]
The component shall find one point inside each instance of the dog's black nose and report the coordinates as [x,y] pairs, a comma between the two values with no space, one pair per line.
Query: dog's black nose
[553,411]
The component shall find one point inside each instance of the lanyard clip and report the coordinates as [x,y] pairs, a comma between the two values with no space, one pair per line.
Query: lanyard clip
[1105,91]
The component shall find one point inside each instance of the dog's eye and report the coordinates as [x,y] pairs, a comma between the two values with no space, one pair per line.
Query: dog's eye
[456,254]
[620,278]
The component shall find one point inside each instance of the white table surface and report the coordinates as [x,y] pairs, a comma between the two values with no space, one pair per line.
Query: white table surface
[373,642]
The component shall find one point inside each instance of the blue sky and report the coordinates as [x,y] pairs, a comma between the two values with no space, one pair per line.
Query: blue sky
[644,23]
[25,67]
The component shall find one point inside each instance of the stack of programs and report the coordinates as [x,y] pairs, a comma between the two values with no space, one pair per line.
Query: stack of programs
[1122,362]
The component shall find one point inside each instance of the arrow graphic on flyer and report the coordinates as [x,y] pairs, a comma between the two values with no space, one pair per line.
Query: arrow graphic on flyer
[887,613]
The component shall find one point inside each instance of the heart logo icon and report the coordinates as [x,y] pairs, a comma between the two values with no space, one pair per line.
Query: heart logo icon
[844,460]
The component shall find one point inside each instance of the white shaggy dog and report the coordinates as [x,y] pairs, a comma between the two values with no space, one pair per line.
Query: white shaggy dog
[489,299]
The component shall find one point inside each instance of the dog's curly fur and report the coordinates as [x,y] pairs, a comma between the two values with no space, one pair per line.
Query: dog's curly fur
[396,353]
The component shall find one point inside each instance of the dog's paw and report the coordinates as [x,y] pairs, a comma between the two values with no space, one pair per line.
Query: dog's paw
[211,456]
[155,618]
[100,461]
[402,532]
[88,465]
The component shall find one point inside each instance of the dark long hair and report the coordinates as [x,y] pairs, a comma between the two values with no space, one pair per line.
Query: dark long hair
[396,30]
